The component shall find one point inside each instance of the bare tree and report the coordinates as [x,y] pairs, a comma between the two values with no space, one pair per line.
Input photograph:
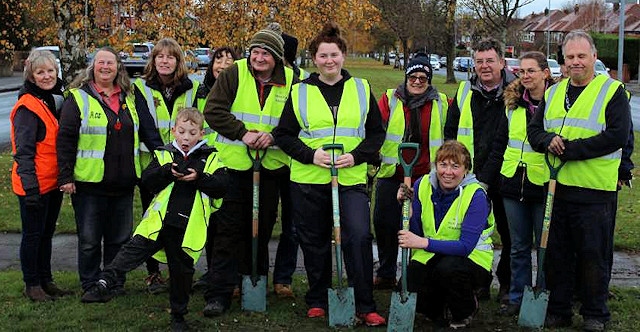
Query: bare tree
[402,17]
[498,15]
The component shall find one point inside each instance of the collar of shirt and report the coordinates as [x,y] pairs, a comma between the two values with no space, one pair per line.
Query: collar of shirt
[112,100]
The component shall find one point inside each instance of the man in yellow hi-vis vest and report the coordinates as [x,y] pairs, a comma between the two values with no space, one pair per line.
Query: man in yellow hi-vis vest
[473,119]
[243,107]
[583,121]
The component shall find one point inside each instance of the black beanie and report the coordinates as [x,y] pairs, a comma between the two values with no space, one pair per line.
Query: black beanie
[290,48]
[270,39]
[420,62]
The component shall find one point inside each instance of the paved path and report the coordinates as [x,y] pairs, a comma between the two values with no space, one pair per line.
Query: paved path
[626,267]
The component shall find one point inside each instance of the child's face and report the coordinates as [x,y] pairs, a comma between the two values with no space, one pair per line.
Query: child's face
[187,134]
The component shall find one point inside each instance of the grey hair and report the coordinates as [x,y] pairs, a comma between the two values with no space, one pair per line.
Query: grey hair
[122,78]
[36,59]
[577,34]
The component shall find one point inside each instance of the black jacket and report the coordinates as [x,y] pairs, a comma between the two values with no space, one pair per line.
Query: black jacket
[615,136]
[156,177]
[119,171]
[286,134]
[487,109]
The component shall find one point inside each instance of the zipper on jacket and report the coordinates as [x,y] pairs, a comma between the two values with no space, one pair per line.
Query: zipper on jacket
[524,174]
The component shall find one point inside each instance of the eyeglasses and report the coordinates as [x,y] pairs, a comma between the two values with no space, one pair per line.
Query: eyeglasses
[529,72]
[488,62]
[421,79]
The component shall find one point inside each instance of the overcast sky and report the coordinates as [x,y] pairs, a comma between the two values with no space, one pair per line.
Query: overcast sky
[538,6]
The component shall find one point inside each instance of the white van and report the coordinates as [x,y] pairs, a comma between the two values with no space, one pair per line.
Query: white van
[56,52]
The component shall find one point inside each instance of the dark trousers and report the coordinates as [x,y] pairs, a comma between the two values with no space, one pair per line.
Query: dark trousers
[153,266]
[503,271]
[446,282]
[313,216]
[387,221]
[232,241]
[287,252]
[139,249]
[38,226]
[101,221]
[580,244]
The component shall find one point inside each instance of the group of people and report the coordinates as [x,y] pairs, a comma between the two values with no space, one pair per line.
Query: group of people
[481,167]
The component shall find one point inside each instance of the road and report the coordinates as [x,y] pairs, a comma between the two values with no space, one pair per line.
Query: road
[7,99]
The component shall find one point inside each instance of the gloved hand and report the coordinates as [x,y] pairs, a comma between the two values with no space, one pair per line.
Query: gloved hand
[32,201]
[404,192]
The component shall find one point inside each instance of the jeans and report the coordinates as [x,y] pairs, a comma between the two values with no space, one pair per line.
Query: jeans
[101,220]
[387,221]
[287,252]
[525,221]
[580,244]
[313,215]
[153,266]
[38,226]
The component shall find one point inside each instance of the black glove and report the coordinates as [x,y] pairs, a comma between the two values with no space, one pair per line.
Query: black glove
[32,201]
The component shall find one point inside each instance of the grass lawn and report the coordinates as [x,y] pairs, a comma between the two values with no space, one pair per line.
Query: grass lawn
[140,311]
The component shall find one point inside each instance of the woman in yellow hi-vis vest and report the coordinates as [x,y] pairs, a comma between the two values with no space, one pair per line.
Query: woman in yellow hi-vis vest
[332,107]
[163,89]
[98,144]
[449,237]
[523,172]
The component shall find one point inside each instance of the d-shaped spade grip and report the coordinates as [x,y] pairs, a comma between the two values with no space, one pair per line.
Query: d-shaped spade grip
[257,159]
[408,167]
[333,147]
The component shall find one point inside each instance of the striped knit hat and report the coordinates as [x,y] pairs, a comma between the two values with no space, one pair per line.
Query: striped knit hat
[270,39]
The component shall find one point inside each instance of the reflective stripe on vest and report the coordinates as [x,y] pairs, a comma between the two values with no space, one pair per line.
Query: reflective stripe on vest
[585,118]
[396,127]
[160,113]
[465,125]
[303,74]
[451,225]
[195,235]
[519,152]
[317,127]
[92,141]
[45,159]
[246,108]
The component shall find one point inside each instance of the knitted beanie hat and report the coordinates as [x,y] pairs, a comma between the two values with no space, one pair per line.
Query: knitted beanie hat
[290,48]
[269,39]
[420,62]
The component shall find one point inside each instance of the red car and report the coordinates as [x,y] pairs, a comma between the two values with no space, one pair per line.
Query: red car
[512,65]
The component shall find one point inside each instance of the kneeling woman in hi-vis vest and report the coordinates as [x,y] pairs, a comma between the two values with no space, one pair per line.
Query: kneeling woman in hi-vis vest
[450,237]
[332,107]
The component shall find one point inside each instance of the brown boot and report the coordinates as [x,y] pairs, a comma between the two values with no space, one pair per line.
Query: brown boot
[283,291]
[36,294]
[53,290]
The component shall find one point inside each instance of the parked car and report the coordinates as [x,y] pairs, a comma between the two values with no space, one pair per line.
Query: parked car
[554,67]
[601,69]
[435,62]
[443,61]
[512,65]
[135,61]
[56,52]
[203,55]
[463,63]
[190,60]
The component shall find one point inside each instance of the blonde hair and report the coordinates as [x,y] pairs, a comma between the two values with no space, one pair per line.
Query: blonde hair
[36,59]
[121,80]
[190,114]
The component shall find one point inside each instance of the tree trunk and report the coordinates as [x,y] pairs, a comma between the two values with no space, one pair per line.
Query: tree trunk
[6,68]
[68,15]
